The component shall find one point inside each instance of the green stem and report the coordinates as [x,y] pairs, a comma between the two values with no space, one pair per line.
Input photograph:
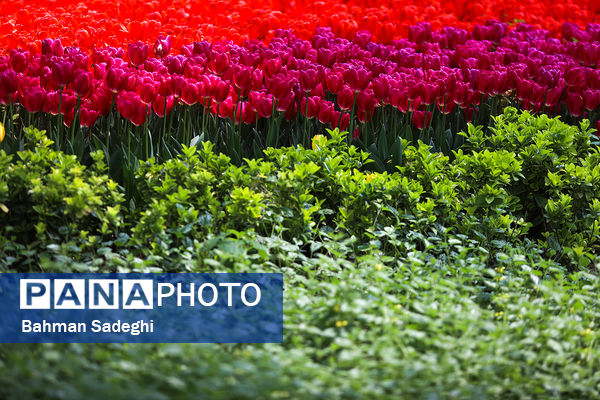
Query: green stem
[352,115]
[75,120]
[60,119]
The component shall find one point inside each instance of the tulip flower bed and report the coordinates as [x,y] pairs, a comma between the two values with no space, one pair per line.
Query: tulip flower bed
[248,97]
[99,23]
[425,176]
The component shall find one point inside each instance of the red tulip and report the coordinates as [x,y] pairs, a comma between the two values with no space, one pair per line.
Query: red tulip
[52,47]
[9,81]
[190,93]
[242,78]
[257,80]
[447,107]
[54,101]
[88,117]
[162,46]
[344,122]
[365,101]
[7,98]
[553,96]
[220,91]
[421,119]
[380,87]
[345,98]
[131,107]
[63,72]
[309,79]
[164,87]
[326,111]
[334,82]
[261,103]
[591,98]
[399,99]
[219,62]
[116,79]
[247,113]
[486,81]
[82,84]
[176,64]
[101,100]
[178,82]
[279,85]
[415,90]
[574,75]
[312,110]
[19,60]
[147,89]
[420,32]
[575,104]
[430,93]
[358,78]
[271,66]
[162,106]
[33,99]
[137,53]
[286,103]
[249,59]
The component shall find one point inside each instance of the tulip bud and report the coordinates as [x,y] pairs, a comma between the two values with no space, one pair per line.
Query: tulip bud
[219,62]
[575,104]
[242,78]
[162,106]
[162,46]
[421,119]
[137,53]
[9,81]
[345,98]
[82,84]
[33,99]
[147,89]
[52,47]
[88,117]
[19,60]
[190,93]
[62,72]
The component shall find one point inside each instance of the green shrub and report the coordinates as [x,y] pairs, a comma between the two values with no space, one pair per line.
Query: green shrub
[532,178]
[558,183]
[50,203]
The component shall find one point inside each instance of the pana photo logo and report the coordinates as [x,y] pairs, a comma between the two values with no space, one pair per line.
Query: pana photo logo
[137,294]
[228,308]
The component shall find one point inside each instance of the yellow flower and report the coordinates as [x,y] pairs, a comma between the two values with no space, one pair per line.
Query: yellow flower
[336,308]
[369,177]
[2,132]
[379,267]
[341,324]
[318,141]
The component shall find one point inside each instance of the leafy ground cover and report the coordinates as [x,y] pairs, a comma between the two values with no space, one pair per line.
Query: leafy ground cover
[471,276]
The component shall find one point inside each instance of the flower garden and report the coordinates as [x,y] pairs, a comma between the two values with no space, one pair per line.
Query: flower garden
[425,176]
